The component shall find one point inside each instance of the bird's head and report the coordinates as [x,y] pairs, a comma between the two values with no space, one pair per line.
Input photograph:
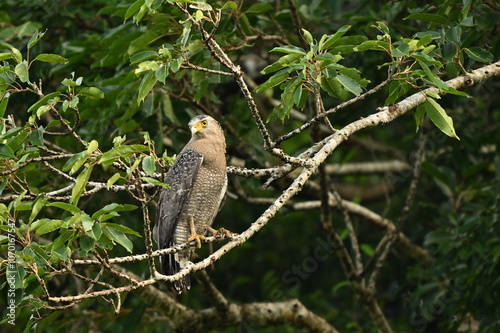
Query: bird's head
[205,126]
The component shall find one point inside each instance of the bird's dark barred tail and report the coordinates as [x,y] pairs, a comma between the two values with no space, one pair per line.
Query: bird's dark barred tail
[171,266]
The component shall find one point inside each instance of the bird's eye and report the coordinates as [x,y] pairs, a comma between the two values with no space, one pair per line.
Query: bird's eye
[204,123]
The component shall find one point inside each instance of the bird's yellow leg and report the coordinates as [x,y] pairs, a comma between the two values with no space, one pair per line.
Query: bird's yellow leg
[194,236]
[220,231]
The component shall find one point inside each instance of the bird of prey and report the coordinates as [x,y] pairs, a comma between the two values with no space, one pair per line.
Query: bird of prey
[197,186]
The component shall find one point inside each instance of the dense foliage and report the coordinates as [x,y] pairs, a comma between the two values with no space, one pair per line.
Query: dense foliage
[95,98]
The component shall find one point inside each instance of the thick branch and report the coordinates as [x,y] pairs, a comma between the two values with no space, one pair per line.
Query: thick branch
[245,316]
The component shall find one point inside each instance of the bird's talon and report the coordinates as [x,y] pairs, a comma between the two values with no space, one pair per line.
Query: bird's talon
[197,238]
[220,233]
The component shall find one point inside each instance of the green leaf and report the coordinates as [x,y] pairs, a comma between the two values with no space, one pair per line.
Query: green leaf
[87,244]
[198,15]
[42,110]
[427,39]
[283,109]
[143,56]
[273,81]
[307,36]
[74,102]
[479,54]
[282,62]
[454,34]
[381,27]
[52,58]
[87,223]
[6,152]
[75,162]
[148,165]
[186,34]
[302,99]
[91,92]
[433,94]
[92,146]
[96,231]
[147,83]
[260,7]
[376,45]
[4,69]
[401,51]
[62,253]
[66,206]
[297,95]
[119,237]
[290,49]
[200,5]
[36,136]
[3,105]
[161,73]
[38,204]
[168,109]
[349,84]
[333,87]
[121,228]
[43,101]
[154,4]
[11,133]
[348,44]
[426,58]
[121,151]
[17,54]
[229,5]
[21,71]
[352,41]
[339,285]
[144,39]
[437,237]
[330,41]
[438,82]
[18,201]
[80,184]
[16,142]
[82,158]
[245,24]
[431,18]
[134,8]
[396,90]
[6,56]
[367,249]
[176,64]
[112,180]
[113,207]
[36,252]
[44,226]
[35,38]
[439,117]
[62,239]
[419,116]
[69,82]
[155,182]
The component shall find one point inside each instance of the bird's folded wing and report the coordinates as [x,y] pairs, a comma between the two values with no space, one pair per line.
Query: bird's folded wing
[180,178]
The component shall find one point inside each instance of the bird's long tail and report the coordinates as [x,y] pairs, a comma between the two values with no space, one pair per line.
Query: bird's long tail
[170,265]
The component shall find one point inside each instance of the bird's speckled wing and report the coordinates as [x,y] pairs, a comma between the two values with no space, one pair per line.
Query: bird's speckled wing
[180,177]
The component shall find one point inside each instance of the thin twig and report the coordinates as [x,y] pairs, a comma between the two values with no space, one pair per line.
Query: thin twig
[333,110]
[34,160]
